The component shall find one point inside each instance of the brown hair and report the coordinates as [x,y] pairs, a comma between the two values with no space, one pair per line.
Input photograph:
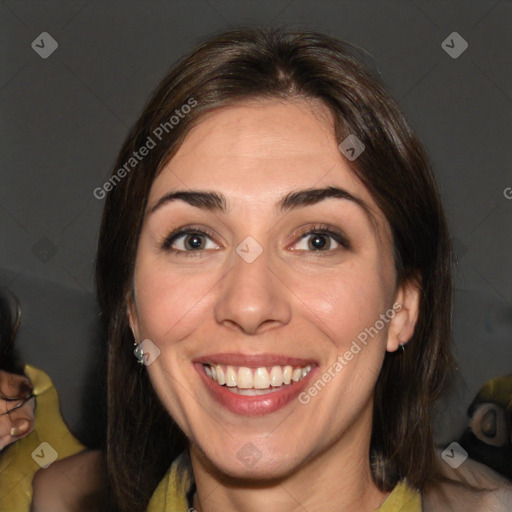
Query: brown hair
[142,438]
[9,358]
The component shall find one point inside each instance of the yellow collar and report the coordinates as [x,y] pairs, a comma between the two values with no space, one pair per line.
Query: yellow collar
[402,499]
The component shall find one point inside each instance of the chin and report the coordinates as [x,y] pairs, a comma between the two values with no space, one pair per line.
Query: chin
[252,460]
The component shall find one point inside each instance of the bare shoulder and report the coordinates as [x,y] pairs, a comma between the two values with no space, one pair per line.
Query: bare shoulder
[471,486]
[62,486]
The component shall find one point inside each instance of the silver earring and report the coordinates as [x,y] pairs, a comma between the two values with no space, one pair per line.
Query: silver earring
[139,352]
[401,343]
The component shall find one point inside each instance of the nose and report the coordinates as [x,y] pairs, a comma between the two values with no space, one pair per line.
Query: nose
[252,298]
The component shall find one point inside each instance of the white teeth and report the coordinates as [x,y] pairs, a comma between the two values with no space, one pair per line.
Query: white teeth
[276,376]
[305,371]
[221,378]
[230,377]
[261,379]
[253,392]
[248,380]
[244,380]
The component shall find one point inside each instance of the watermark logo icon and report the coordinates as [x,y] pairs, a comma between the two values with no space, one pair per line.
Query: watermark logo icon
[248,455]
[249,249]
[44,45]
[351,147]
[454,455]
[147,352]
[454,45]
[44,249]
[45,455]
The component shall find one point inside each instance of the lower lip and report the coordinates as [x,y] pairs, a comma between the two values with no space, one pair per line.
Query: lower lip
[253,405]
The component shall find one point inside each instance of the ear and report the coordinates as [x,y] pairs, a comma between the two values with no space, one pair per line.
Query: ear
[131,311]
[406,307]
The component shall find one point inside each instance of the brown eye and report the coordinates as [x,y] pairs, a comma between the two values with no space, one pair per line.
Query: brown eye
[189,241]
[321,240]
[194,241]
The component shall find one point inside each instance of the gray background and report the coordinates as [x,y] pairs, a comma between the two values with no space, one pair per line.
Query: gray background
[64,118]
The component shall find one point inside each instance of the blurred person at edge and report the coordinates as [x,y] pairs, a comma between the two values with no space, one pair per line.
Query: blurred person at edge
[29,416]
[281,217]
[17,402]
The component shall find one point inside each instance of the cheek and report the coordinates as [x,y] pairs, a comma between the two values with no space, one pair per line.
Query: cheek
[346,302]
[170,303]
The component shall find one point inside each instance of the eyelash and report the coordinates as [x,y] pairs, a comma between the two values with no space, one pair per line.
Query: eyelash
[321,229]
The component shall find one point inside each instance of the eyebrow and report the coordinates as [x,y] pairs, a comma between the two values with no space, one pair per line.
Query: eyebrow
[217,202]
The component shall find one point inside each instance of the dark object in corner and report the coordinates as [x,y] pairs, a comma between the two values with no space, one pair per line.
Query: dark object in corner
[488,438]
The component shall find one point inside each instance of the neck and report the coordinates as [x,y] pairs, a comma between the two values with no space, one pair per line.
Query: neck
[335,480]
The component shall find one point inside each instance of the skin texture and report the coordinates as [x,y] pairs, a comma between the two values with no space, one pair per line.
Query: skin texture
[61,486]
[292,300]
[18,423]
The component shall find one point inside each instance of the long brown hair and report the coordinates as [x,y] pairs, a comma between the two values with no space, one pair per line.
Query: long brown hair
[10,360]
[142,438]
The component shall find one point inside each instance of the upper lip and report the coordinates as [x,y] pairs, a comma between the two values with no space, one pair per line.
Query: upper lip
[254,360]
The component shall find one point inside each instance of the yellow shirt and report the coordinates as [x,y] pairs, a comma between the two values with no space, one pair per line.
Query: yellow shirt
[170,496]
[17,466]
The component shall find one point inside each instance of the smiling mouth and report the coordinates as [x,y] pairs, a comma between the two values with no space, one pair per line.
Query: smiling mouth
[246,381]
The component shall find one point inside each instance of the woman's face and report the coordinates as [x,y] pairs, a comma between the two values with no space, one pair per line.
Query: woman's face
[281,300]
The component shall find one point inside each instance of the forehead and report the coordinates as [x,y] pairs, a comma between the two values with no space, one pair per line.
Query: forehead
[265,130]
[257,151]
